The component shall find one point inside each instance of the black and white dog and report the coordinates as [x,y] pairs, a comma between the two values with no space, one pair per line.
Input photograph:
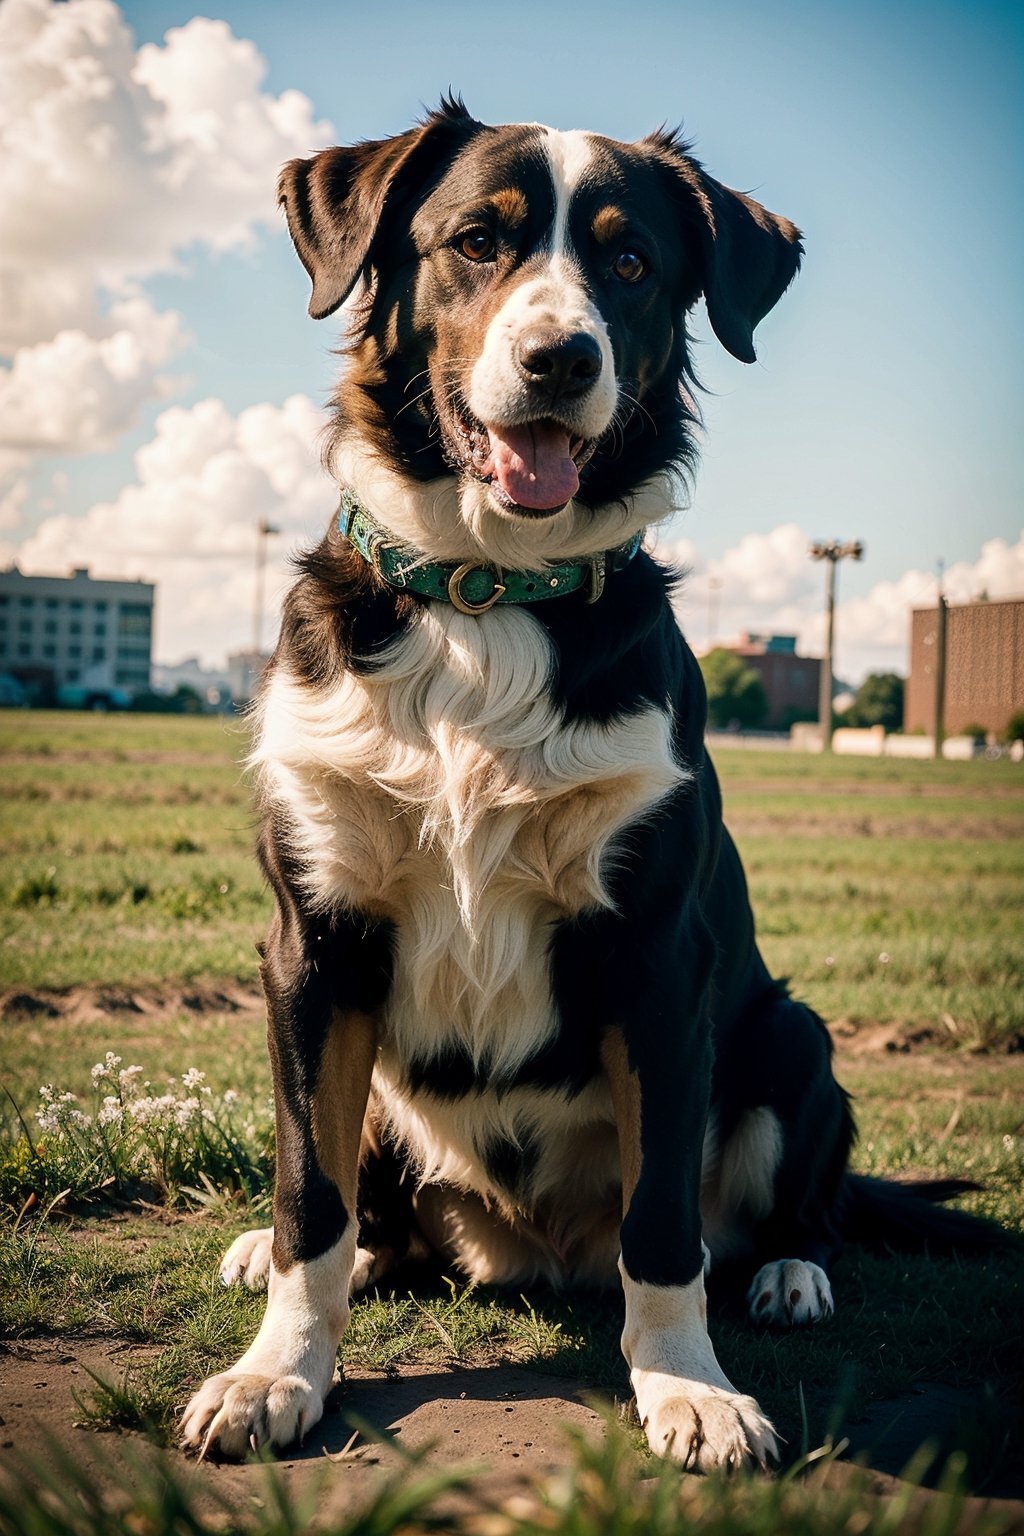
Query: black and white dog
[512,977]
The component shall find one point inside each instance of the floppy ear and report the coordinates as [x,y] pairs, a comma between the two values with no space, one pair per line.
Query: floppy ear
[750,256]
[334,202]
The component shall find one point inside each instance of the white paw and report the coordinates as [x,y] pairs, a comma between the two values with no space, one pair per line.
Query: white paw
[365,1271]
[248,1259]
[236,1412]
[703,1427]
[789,1293]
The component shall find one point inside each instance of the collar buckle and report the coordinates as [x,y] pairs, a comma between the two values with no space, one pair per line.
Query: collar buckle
[463,604]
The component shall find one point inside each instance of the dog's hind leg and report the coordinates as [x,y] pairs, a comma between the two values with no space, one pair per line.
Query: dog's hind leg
[786,1131]
[247,1261]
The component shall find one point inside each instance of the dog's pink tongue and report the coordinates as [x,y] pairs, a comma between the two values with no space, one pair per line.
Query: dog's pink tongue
[533,464]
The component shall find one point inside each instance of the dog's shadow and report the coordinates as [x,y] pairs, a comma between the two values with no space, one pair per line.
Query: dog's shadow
[477,1409]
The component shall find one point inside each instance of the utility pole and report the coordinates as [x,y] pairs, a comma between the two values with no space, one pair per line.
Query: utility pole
[940,668]
[263,532]
[831,551]
[715,585]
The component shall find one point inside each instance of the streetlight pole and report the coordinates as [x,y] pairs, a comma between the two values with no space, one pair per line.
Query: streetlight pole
[263,532]
[715,585]
[940,668]
[831,551]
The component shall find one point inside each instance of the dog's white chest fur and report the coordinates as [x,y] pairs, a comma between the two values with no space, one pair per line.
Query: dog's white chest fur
[445,792]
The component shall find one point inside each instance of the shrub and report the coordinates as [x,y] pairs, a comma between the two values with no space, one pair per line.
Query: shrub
[736,695]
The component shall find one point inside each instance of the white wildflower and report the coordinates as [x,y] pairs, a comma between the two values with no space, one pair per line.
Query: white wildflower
[148,1110]
[60,1112]
[193,1078]
[883,958]
[106,1068]
[110,1112]
[185,1112]
[231,1096]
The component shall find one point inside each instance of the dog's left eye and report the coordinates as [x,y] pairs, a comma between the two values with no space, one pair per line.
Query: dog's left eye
[630,266]
[476,244]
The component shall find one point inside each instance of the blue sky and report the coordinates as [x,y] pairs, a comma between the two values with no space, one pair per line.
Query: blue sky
[885,403]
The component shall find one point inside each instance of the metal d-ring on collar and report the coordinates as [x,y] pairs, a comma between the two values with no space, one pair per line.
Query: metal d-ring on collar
[456,598]
[469,586]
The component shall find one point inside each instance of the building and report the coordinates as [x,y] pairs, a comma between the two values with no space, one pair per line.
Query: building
[245,668]
[984,666]
[58,631]
[790,681]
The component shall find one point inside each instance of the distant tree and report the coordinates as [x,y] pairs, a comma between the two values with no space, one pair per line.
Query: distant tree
[879,701]
[187,700]
[1015,726]
[736,695]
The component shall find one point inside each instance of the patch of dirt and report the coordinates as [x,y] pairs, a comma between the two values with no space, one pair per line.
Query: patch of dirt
[856,1039]
[813,825]
[504,1421]
[92,1004]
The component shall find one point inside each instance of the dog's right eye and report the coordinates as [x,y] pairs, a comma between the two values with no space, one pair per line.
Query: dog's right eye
[476,244]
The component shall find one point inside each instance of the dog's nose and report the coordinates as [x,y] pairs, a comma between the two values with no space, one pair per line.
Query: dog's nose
[565,365]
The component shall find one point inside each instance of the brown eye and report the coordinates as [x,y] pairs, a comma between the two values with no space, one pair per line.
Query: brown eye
[477,244]
[630,266]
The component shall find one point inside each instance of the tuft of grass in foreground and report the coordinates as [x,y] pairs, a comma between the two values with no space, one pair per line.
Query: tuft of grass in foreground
[605,1491]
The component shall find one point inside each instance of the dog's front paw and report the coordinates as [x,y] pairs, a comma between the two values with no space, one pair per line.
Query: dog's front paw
[788,1293]
[236,1412]
[704,1427]
[248,1259]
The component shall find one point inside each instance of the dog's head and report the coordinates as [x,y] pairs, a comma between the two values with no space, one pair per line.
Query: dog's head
[518,323]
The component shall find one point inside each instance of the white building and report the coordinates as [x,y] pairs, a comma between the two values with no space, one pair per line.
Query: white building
[74,630]
[245,668]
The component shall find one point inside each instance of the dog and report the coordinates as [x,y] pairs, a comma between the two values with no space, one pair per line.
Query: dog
[517,1013]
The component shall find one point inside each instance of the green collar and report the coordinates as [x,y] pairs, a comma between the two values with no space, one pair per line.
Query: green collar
[469,587]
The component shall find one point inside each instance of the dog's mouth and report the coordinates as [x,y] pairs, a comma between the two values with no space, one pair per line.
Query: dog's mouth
[532,468]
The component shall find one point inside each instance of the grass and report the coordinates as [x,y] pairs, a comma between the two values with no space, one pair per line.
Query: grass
[605,1490]
[888,890]
[129,907]
[128,851]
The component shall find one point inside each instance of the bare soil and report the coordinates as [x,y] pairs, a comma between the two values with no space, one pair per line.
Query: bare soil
[93,1004]
[504,1419]
[503,1423]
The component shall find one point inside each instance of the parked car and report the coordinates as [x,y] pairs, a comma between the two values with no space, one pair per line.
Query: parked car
[13,695]
[74,696]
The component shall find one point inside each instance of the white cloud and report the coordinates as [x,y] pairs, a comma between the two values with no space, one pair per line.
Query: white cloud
[767,582]
[114,162]
[205,480]
[12,503]
[79,392]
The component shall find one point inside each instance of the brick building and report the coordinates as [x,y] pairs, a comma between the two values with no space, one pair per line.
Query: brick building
[790,681]
[984,666]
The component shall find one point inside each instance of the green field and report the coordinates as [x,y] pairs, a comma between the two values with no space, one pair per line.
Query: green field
[130,904]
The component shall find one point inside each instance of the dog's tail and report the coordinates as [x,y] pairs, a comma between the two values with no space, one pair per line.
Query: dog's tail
[911,1218]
